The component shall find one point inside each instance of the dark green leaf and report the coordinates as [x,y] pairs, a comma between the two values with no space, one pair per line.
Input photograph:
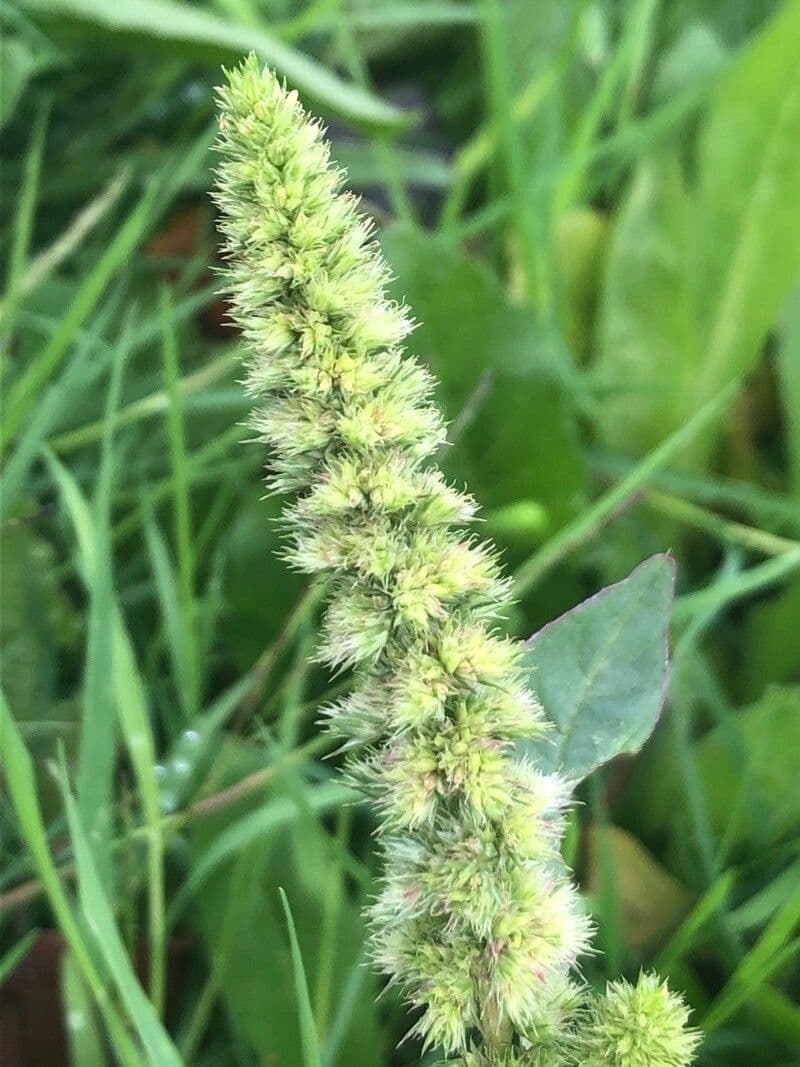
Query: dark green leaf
[600,672]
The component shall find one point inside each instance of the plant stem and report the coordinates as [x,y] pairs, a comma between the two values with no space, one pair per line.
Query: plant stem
[725,530]
[588,525]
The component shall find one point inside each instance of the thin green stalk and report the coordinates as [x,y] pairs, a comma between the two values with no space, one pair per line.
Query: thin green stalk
[66,243]
[576,165]
[23,393]
[509,138]
[332,905]
[220,958]
[181,494]
[209,805]
[98,733]
[12,958]
[24,217]
[199,471]
[724,530]
[762,506]
[642,37]
[262,669]
[156,403]
[728,590]
[478,151]
[295,685]
[382,146]
[608,897]
[588,525]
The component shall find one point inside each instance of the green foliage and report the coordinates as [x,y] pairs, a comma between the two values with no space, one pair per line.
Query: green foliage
[698,272]
[746,768]
[490,367]
[591,210]
[188,30]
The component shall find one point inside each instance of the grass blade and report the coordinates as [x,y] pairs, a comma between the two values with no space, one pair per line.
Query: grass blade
[181,497]
[66,243]
[98,728]
[177,634]
[128,693]
[255,825]
[20,782]
[100,921]
[134,720]
[23,395]
[591,521]
[189,28]
[24,219]
[16,954]
[57,399]
[154,404]
[308,1032]
[85,1043]
[712,901]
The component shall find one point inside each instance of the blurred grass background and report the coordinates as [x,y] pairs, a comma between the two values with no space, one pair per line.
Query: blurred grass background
[593,209]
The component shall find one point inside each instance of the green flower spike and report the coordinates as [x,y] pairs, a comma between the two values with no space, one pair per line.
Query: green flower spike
[476,920]
[642,1025]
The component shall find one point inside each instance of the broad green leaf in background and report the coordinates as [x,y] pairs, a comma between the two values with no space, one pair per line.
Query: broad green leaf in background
[600,672]
[38,624]
[749,773]
[259,590]
[193,30]
[746,768]
[32,610]
[648,334]
[722,254]
[513,427]
[257,824]
[749,169]
[771,642]
[651,901]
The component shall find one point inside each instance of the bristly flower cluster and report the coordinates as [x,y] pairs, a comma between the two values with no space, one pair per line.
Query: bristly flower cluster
[476,920]
[638,1026]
